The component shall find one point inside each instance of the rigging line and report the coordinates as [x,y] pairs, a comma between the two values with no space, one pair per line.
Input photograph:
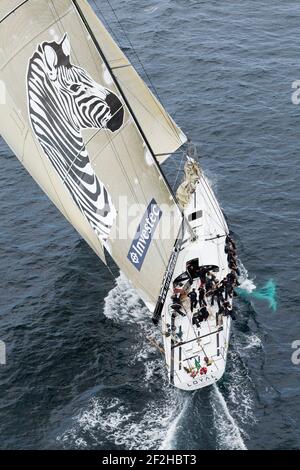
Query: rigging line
[131,45]
[142,65]
[147,110]
[221,222]
[105,21]
[214,198]
[212,204]
[214,201]
[114,276]
[179,169]
[90,46]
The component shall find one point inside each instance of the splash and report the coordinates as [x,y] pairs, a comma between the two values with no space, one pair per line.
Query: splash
[110,419]
[228,432]
[123,305]
[267,292]
[107,421]
[169,442]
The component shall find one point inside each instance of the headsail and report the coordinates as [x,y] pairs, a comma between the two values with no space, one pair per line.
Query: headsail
[91,133]
[162,134]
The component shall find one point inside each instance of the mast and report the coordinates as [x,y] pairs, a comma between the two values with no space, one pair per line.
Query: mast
[102,55]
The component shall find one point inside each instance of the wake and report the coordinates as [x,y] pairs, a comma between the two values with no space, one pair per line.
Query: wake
[248,290]
[159,422]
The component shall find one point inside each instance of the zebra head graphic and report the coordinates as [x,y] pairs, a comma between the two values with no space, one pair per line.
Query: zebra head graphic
[63,99]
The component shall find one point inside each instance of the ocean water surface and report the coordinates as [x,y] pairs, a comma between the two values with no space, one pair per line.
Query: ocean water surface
[80,373]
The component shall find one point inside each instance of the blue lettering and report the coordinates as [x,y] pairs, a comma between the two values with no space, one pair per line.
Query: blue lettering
[144,235]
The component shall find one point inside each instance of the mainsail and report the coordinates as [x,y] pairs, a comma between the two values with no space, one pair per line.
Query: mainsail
[90,132]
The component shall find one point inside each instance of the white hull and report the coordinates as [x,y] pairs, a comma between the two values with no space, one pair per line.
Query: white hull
[210,339]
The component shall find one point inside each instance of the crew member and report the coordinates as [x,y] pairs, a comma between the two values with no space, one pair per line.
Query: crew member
[204,313]
[193,298]
[217,294]
[228,310]
[201,297]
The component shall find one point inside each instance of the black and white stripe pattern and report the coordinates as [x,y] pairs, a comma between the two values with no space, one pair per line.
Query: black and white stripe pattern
[63,99]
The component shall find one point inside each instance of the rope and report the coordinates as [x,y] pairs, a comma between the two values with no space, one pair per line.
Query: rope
[141,64]
[213,201]
[178,171]
[133,48]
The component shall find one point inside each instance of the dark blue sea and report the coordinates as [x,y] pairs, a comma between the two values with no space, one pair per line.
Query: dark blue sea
[80,373]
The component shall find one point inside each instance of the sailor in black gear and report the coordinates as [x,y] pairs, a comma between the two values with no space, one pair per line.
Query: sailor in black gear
[231,277]
[231,256]
[177,308]
[220,298]
[210,282]
[193,298]
[228,289]
[192,271]
[202,274]
[217,294]
[228,311]
[219,313]
[201,297]
[233,266]
[204,313]
[230,240]
[197,319]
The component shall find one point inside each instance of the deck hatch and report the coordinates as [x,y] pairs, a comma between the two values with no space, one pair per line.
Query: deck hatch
[195,215]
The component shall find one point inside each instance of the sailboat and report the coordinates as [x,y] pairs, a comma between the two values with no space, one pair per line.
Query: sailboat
[90,132]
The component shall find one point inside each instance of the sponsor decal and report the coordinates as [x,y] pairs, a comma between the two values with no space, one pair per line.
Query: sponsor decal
[144,235]
[63,100]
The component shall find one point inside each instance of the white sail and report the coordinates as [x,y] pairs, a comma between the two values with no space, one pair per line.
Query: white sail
[161,132]
[90,132]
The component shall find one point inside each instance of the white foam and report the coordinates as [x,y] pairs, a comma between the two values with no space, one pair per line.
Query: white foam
[156,424]
[248,285]
[245,283]
[254,341]
[229,435]
[169,442]
[240,390]
[123,304]
[109,420]
[151,9]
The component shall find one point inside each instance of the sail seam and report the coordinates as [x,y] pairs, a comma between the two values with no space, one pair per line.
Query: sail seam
[120,82]
[144,69]
[13,11]
[120,66]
